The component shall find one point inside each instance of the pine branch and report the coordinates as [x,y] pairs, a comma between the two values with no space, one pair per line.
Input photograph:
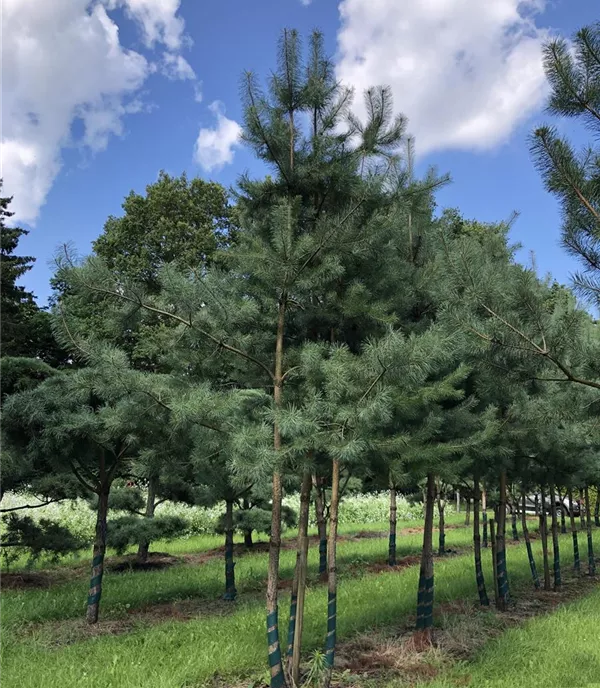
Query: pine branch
[30,506]
[87,485]
[168,408]
[542,136]
[324,241]
[183,321]
[262,130]
[538,349]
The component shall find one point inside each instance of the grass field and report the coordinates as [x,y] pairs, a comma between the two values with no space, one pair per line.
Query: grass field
[169,629]
[558,649]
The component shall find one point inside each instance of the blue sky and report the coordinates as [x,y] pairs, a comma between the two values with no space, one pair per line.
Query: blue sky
[103,95]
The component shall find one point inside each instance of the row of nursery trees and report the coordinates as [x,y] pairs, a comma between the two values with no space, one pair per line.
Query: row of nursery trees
[326,328]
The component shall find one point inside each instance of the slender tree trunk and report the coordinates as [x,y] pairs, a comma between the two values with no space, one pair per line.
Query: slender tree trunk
[494,552]
[392,538]
[544,537]
[532,566]
[468,512]
[514,515]
[581,510]
[597,507]
[277,677]
[503,593]
[458,501]
[590,542]
[563,518]
[95,591]
[321,523]
[297,602]
[483,598]
[576,562]
[536,505]
[230,591]
[424,630]
[555,550]
[275,664]
[332,571]
[484,516]
[144,546]
[442,524]
[247,533]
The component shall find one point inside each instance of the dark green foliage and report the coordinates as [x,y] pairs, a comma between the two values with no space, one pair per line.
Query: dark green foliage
[17,305]
[131,530]
[177,221]
[19,374]
[26,328]
[23,535]
[257,517]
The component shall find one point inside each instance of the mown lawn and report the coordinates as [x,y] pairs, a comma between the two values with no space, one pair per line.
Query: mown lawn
[223,640]
[558,649]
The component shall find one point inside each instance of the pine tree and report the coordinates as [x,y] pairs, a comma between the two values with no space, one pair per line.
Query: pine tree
[88,425]
[26,329]
[18,305]
[299,228]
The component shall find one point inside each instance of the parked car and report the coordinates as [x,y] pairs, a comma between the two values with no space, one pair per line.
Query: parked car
[561,505]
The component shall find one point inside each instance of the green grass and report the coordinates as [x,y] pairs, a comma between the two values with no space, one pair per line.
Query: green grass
[558,649]
[176,654]
[204,581]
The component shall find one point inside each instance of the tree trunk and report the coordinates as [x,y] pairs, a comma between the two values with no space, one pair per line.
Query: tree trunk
[457,501]
[321,524]
[581,509]
[332,572]
[563,518]
[576,562]
[144,546]
[95,591]
[392,537]
[536,505]
[597,507]
[590,542]
[483,598]
[424,630]
[495,572]
[514,515]
[247,533]
[442,524]
[468,512]
[544,537]
[532,566]
[275,664]
[484,516]
[297,601]
[230,591]
[503,593]
[555,550]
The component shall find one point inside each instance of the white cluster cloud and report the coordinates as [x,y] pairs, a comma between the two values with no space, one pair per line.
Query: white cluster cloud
[158,20]
[62,61]
[465,72]
[215,146]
